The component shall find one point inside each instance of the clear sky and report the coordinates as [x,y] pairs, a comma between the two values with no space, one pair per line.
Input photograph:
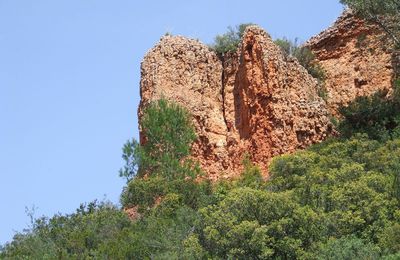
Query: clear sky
[69,87]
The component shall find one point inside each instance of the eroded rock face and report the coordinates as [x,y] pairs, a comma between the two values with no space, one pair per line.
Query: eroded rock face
[354,59]
[255,101]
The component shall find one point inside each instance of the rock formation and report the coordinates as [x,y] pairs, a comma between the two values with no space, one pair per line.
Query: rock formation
[256,101]
[355,60]
[259,101]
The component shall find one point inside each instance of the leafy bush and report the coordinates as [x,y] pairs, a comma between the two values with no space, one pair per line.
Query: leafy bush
[161,162]
[169,133]
[81,235]
[229,41]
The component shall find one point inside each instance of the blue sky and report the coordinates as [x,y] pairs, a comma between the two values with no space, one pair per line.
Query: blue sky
[69,87]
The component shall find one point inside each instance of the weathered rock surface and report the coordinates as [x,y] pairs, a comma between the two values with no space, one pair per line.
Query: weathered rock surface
[256,101]
[354,59]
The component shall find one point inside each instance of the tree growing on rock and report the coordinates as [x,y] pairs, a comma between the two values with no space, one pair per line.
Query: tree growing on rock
[169,134]
[384,13]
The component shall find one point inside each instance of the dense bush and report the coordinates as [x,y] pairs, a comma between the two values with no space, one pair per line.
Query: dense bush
[348,248]
[85,234]
[169,133]
[161,161]
[376,115]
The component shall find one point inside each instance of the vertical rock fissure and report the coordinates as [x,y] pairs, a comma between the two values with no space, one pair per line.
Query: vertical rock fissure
[223,93]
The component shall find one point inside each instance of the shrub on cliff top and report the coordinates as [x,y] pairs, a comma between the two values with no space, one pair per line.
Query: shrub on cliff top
[229,41]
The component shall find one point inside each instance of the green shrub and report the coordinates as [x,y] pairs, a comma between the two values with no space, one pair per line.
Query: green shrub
[169,133]
[161,161]
[81,235]
[251,176]
[347,248]
[229,41]
[389,239]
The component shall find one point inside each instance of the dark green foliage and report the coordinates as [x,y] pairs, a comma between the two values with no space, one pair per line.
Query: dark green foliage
[168,134]
[161,161]
[346,181]
[229,41]
[376,115]
[314,197]
[251,176]
[257,224]
[389,238]
[82,235]
[145,192]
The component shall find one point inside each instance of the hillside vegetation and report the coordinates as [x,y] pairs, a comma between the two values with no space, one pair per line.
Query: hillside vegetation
[338,199]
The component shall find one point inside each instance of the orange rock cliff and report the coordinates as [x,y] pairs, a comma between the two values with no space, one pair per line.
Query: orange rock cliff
[257,100]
